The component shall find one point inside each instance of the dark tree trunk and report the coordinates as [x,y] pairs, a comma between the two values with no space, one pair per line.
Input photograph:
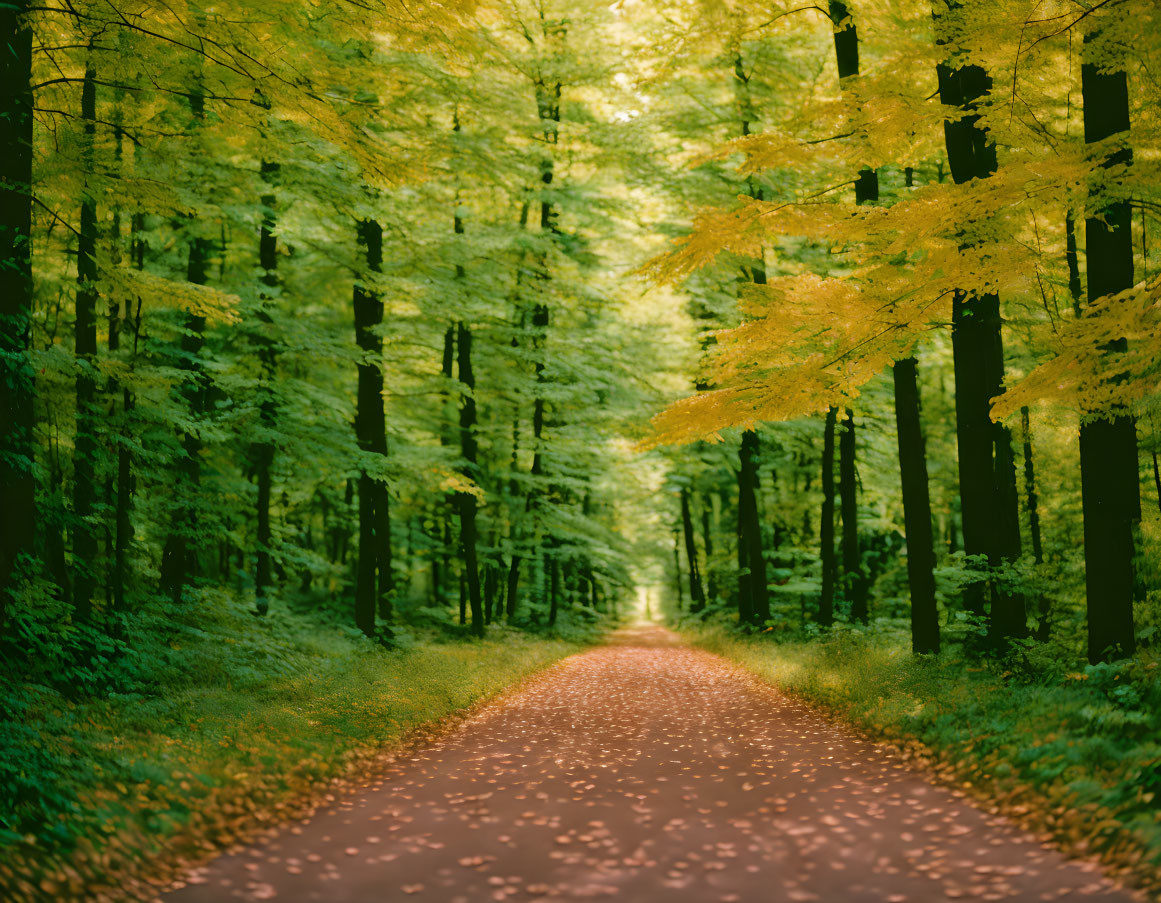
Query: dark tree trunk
[267,353]
[853,578]
[123,525]
[1033,498]
[753,601]
[1033,502]
[1157,479]
[745,595]
[696,593]
[707,538]
[678,583]
[826,527]
[441,552]
[916,508]
[85,442]
[18,513]
[1071,259]
[846,54]
[846,50]
[1110,481]
[553,589]
[179,556]
[466,500]
[373,582]
[752,533]
[512,594]
[988,497]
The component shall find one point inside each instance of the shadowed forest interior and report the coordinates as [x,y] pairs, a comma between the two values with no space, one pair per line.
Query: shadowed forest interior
[361,360]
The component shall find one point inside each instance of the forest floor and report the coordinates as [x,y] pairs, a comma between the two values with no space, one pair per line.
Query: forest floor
[648,770]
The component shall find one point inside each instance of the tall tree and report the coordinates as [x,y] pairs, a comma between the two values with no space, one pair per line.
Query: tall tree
[826,527]
[18,517]
[696,592]
[469,449]
[1110,480]
[916,508]
[85,334]
[988,497]
[373,582]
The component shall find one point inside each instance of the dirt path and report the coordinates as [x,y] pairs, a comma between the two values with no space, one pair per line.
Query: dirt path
[644,770]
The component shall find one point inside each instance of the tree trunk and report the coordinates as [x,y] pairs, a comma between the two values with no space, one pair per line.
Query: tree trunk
[854,580]
[678,583]
[748,510]
[708,541]
[267,352]
[745,595]
[553,589]
[179,556]
[696,593]
[1033,504]
[466,500]
[1110,481]
[846,51]
[753,603]
[1157,479]
[1033,498]
[441,552]
[17,451]
[916,508]
[846,54]
[373,581]
[123,492]
[511,596]
[826,527]
[85,335]
[988,496]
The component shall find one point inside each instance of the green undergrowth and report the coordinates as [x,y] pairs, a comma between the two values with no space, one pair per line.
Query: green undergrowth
[1075,753]
[152,752]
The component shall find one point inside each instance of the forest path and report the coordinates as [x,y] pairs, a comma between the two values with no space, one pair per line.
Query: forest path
[645,770]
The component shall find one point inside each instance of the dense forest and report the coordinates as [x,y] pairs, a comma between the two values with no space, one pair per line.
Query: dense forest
[386,342]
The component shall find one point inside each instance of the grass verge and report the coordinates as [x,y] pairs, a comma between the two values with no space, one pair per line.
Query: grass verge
[233,724]
[1073,755]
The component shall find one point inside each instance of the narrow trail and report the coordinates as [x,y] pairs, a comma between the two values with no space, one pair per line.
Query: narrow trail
[644,770]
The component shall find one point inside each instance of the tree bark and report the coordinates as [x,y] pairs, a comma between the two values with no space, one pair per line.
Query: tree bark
[854,580]
[85,337]
[708,541]
[1030,493]
[846,50]
[179,557]
[916,508]
[466,500]
[373,582]
[553,589]
[826,527]
[751,532]
[696,593]
[267,408]
[1110,482]
[17,386]
[988,496]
